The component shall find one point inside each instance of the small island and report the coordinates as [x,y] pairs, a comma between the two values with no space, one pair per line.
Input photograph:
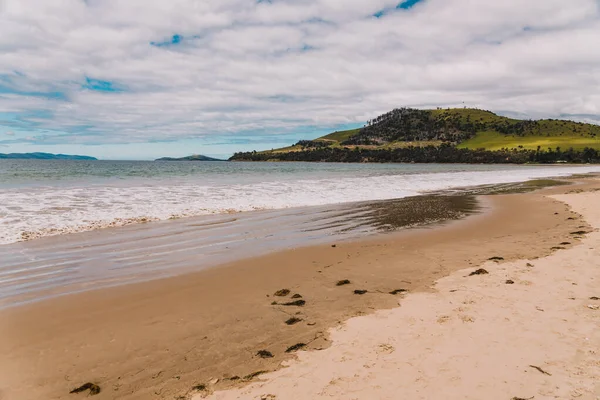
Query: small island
[195,157]
[44,156]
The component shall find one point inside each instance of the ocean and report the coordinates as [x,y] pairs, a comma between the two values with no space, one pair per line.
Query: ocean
[51,197]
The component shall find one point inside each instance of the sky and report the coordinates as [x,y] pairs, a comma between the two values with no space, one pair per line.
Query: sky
[141,79]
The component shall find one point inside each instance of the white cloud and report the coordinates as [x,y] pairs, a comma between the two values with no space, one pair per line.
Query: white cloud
[275,67]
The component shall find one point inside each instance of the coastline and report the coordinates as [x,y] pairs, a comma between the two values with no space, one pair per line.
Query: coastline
[83,198]
[159,339]
[524,329]
[61,265]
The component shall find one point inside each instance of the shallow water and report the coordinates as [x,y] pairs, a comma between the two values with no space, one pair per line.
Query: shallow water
[59,265]
[51,197]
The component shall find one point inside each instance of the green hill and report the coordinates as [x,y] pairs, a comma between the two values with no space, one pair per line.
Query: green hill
[340,136]
[465,128]
[447,135]
[475,129]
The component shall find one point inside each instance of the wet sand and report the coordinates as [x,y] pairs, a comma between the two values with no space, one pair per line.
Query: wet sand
[526,329]
[160,339]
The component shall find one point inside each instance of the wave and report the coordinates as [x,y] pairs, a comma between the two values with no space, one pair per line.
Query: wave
[34,212]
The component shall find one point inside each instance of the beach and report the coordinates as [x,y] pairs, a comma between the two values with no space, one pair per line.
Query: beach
[200,333]
[525,329]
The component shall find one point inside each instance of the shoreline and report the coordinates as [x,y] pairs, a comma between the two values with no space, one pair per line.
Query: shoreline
[87,261]
[56,219]
[69,264]
[158,339]
[522,329]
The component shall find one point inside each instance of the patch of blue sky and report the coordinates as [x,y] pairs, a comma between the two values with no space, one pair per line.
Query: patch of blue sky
[100,85]
[404,5]
[174,40]
[8,116]
[52,95]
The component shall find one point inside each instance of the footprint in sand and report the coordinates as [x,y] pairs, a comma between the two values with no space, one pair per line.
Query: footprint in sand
[385,348]
[467,318]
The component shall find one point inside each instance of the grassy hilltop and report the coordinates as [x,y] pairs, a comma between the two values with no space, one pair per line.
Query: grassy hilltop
[404,135]
[465,128]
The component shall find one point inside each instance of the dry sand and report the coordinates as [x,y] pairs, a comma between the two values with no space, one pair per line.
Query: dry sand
[474,337]
[158,340]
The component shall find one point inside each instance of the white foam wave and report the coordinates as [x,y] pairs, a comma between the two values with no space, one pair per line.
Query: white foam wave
[29,213]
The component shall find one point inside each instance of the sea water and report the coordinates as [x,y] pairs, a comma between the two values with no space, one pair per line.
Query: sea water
[51,197]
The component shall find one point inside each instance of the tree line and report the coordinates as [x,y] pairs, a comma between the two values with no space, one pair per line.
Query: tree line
[445,153]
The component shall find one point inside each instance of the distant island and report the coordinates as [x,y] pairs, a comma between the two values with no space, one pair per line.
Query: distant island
[44,156]
[452,135]
[195,157]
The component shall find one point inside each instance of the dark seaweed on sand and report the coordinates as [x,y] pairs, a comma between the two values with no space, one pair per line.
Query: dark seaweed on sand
[254,375]
[93,388]
[297,296]
[293,321]
[397,291]
[496,258]
[264,354]
[282,292]
[360,291]
[480,271]
[298,303]
[579,233]
[343,282]
[295,347]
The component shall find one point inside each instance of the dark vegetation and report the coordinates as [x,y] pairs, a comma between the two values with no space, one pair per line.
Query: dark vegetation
[406,124]
[445,153]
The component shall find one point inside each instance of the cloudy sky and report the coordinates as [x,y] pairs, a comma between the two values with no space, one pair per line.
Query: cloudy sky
[139,79]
